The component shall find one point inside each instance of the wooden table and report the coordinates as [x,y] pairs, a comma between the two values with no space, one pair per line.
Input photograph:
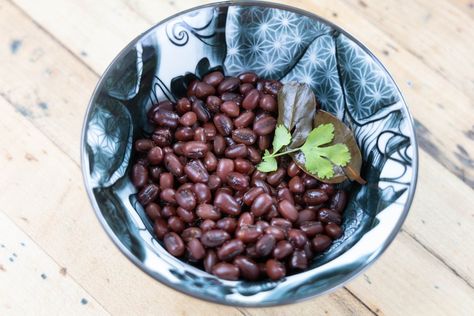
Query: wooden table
[56,259]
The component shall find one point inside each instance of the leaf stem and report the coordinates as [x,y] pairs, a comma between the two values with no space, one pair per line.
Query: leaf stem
[285,153]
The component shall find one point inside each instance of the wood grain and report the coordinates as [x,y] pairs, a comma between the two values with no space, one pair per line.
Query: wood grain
[50,63]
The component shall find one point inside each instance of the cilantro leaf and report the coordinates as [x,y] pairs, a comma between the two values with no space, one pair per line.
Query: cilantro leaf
[320,160]
[282,138]
[268,163]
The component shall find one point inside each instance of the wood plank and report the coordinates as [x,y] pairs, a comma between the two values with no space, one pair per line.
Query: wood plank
[438,35]
[408,280]
[445,119]
[32,283]
[63,205]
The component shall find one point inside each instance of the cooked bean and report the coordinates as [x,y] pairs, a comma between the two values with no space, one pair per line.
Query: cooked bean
[296,185]
[309,182]
[155,173]
[297,238]
[208,211]
[281,222]
[333,230]
[264,126]
[213,78]
[228,224]
[168,211]
[162,137]
[153,210]
[251,100]
[277,232]
[261,204]
[293,170]
[192,88]
[283,249]
[148,194]
[174,244]
[253,155]
[195,249]
[243,166]
[248,233]
[202,113]
[271,86]
[207,225]
[288,210]
[226,271]
[214,182]
[183,105]
[338,201]
[315,196]
[244,119]
[299,260]
[312,228]
[210,260]
[245,88]
[230,108]
[190,233]
[173,164]
[285,194]
[213,103]
[275,177]
[244,136]
[227,204]
[230,249]
[236,151]
[139,175]
[168,195]
[224,167]
[275,269]
[268,103]
[248,268]
[160,228]
[326,215]
[264,142]
[165,118]
[321,243]
[185,215]
[196,171]
[214,237]
[265,245]
[245,218]
[176,224]
[223,124]
[248,77]
[228,84]
[166,180]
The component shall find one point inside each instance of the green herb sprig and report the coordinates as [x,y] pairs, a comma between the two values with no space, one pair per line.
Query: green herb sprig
[318,160]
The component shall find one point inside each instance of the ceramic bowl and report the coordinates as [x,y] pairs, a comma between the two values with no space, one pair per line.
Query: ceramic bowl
[277,42]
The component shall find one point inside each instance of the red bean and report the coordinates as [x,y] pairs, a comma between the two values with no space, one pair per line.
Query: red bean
[223,124]
[166,180]
[168,211]
[230,108]
[275,177]
[288,210]
[248,77]
[245,88]
[299,260]
[196,171]
[248,233]
[144,145]
[208,211]
[153,211]
[139,175]
[315,196]
[173,164]
[297,238]
[244,119]
[268,103]
[326,215]
[293,170]
[160,228]
[333,230]
[201,110]
[237,181]
[245,219]
[202,90]
[236,151]
[207,225]
[253,155]
[176,224]
[244,136]
[228,84]
[296,185]
[321,243]
[186,199]
[192,88]
[264,126]
[210,260]
[285,194]
[214,237]
[165,118]
[213,78]
[226,271]
[264,142]
[224,167]
[261,204]
[243,166]
[183,105]
[281,222]
[312,228]
[282,250]
[265,245]
[190,233]
[277,232]
[230,250]
[248,268]
[227,204]
[275,269]
[214,182]
[155,173]
[228,224]
[195,249]
[174,244]
[168,195]
[213,103]
[148,194]
[338,201]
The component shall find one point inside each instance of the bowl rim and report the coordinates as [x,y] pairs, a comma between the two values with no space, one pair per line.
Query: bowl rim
[350,276]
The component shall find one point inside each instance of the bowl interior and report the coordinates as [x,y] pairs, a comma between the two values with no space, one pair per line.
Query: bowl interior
[276,42]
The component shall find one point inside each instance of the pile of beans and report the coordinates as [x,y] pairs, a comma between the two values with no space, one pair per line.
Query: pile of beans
[198,182]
